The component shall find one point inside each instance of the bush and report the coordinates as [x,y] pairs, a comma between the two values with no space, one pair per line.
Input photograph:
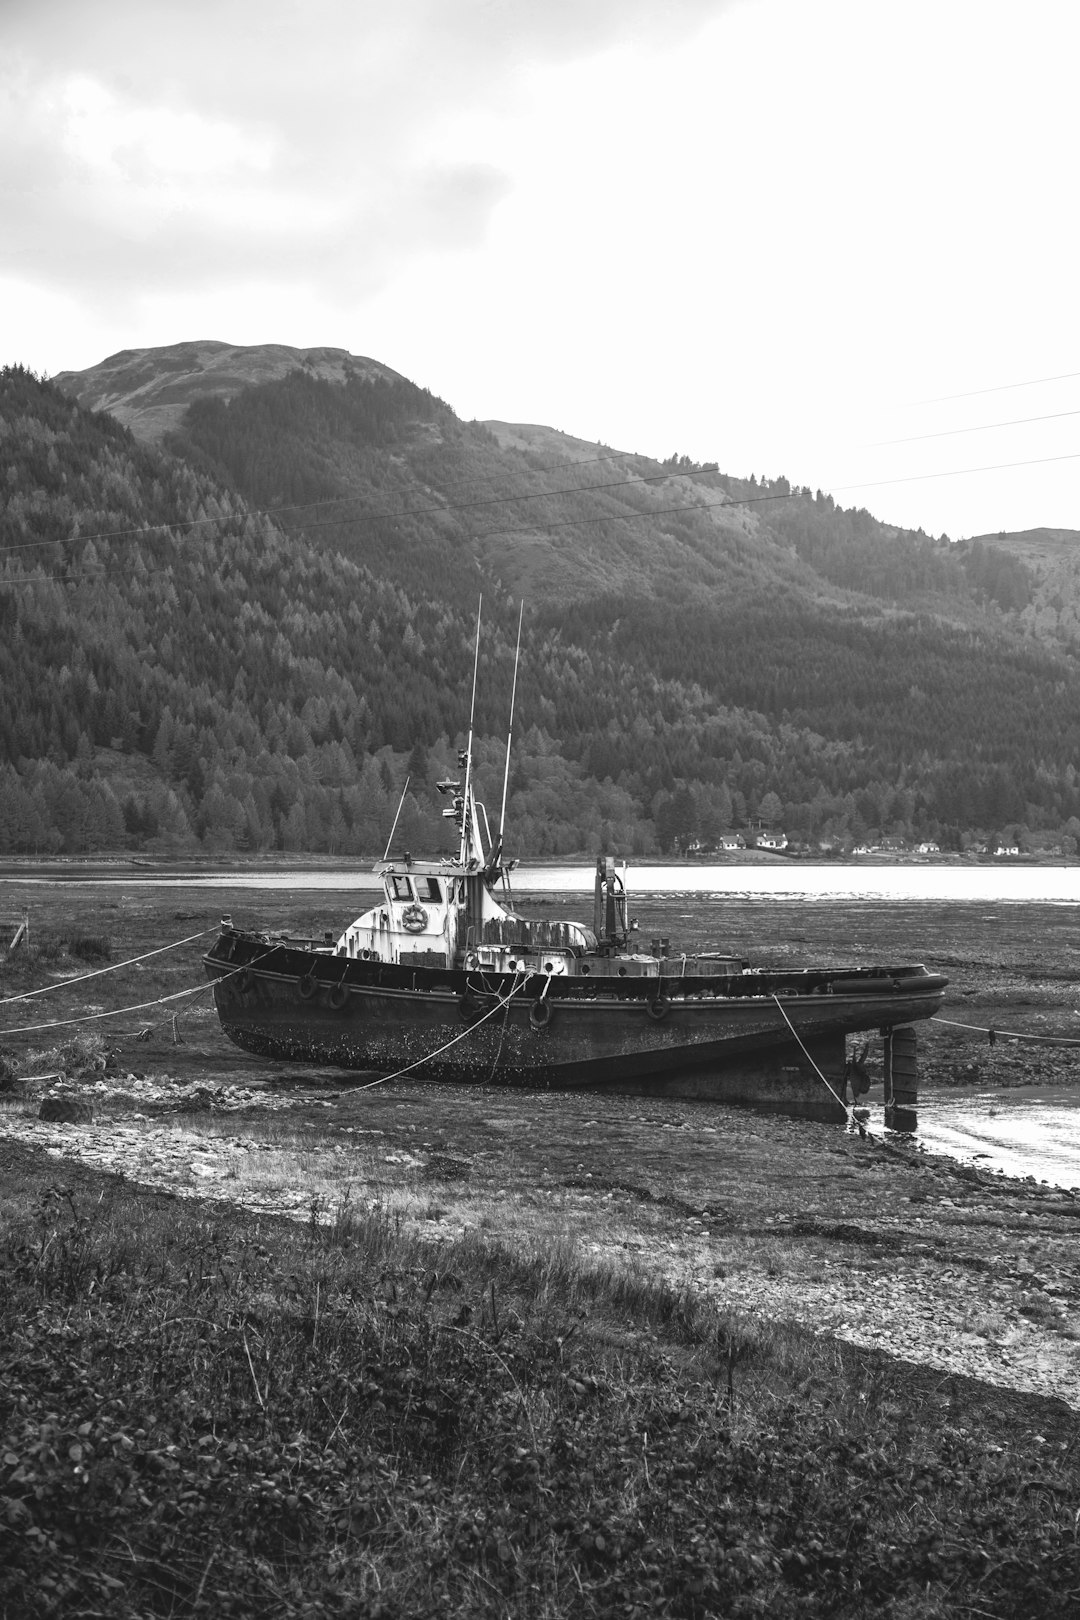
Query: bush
[89,947]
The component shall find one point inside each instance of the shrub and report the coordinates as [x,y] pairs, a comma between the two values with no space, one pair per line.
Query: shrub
[89,947]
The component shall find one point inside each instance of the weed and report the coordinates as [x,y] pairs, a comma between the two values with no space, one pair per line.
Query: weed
[988,1324]
[1038,1308]
[78,1054]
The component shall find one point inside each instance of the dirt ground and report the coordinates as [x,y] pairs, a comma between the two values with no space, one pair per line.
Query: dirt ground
[955,1270]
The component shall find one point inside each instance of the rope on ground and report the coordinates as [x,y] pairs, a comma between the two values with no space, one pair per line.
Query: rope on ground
[996,1034]
[849,1110]
[114,967]
[385,1079]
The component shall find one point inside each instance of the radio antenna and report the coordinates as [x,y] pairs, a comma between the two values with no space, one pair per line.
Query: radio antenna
[466,815]
[510,733]
[393,830]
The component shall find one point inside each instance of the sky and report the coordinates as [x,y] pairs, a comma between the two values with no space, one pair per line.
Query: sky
[830,239]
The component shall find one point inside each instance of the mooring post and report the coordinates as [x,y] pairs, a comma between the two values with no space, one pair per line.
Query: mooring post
[901,1078]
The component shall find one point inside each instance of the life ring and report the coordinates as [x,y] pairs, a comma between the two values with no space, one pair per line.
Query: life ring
[307,985]
[414,918]
[540,1014]
[338,996]
[658,1008]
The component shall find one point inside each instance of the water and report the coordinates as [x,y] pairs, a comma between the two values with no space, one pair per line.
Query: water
[791,880]
[1036,1133]
[779,880]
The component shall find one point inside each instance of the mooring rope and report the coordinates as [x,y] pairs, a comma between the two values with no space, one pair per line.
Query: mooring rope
[89,1018]
[142,1006]
[384,1079]
[996,1034]
[114,967]
[849,1108]
[506,1016]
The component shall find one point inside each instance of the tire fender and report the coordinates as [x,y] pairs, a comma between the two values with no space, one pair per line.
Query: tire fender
[540,1014]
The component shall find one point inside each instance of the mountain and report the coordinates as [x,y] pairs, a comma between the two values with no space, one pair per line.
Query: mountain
[148,390]
[267,613]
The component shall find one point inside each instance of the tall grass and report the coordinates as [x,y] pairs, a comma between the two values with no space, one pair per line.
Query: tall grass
[206,1414]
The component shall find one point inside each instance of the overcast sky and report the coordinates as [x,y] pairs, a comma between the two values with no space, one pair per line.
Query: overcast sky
[835,239]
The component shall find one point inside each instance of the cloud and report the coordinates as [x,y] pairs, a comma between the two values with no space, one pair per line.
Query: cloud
[155,145]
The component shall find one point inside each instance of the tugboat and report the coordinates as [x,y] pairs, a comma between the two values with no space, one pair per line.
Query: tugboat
[445,981]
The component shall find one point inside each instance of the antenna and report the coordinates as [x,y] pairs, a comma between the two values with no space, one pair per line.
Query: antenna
[510,732]
[465,819]
[393,830]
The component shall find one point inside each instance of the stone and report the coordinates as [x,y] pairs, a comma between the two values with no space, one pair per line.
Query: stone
[63,1109]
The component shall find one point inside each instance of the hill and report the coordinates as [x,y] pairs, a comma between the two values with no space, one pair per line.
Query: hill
[148,390]
[271,611]
[1051,558]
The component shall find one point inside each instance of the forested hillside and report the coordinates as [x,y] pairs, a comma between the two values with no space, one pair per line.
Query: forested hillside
[249,638]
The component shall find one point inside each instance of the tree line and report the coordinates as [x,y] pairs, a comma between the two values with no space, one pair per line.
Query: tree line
[182,668]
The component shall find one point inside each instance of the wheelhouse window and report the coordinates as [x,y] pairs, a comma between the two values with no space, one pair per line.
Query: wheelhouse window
[431,889]
[400,888]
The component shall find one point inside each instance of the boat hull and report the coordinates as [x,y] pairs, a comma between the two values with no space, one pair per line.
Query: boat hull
[680,1038]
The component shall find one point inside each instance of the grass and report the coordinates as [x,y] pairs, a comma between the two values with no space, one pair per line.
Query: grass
[206,1413]
[452,1384]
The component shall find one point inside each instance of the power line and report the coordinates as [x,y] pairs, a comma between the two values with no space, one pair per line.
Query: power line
[608,517]
[961,472]
[486,534]
[999,388]
[986,427]
[188,524]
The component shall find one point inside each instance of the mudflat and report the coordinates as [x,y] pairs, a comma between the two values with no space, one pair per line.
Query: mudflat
[288,1341]
[862,1237]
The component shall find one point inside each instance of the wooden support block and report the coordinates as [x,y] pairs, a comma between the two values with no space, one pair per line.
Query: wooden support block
[901,1078]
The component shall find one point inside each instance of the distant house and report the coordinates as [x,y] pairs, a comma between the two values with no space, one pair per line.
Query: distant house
[1007,849]
[730,841]
[929,848]
[772,840]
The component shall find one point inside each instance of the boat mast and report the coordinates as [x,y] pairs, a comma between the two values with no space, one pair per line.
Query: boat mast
[393,830]
[468,816]
[496,854]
